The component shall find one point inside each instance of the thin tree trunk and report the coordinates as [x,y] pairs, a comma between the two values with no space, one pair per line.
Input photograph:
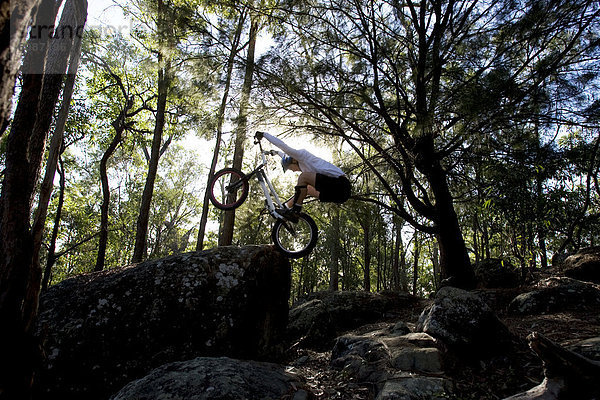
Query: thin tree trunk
[67,36]
[571,234]
[221,119]
[56,148]
[303,267]
[51,257]
[385,279]
[367,259]
[335,253]
[139,250]
[416,255]
[396,258]
[164,81]
[476,248]
[436,266]
[226,237]
[119,126]
[378,258]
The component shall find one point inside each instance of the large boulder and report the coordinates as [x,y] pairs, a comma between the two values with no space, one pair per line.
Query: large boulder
[495,273]
[584,265]
[464,322]
[102,330]
[320,318]
[206,378]
[556,294]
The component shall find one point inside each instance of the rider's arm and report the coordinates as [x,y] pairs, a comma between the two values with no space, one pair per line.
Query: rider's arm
[297,154]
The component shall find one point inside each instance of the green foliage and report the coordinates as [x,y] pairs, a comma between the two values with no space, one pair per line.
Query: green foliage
[511,119]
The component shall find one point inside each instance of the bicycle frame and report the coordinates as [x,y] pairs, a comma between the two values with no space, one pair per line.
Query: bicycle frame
[271,197]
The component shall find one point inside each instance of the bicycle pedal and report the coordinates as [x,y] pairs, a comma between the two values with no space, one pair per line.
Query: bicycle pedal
[289,214]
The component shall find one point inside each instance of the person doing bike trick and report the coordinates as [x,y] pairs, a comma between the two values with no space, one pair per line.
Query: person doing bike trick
[318,178]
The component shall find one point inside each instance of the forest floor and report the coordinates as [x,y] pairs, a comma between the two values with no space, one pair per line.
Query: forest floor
[494,378]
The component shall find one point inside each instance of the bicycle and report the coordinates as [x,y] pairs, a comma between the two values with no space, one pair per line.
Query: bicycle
[229,189]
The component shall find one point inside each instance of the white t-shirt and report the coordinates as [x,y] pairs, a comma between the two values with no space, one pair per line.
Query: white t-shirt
[307,161]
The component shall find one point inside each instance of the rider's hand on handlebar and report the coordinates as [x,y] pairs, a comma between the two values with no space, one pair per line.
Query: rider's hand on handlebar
[258,135]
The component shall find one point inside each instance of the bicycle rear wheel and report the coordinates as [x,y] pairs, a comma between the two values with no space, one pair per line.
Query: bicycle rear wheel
[295,240]
[228,189]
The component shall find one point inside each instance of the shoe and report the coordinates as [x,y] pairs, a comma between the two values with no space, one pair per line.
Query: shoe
[288,213]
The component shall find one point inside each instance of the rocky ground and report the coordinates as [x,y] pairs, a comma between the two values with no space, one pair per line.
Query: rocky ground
[176,328]
[496,377]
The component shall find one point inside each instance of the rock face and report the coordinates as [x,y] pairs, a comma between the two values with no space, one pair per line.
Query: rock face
[589,348]
[324,315]
[556,293]
[464,322]
[397,365]
[102,330]
[495,273]
[215,378]
[584,265]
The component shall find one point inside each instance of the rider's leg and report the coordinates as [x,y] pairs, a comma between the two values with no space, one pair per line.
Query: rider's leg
[306,180]
[300,192]
[311,192]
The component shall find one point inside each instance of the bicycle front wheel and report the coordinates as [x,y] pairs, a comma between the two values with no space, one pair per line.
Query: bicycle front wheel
[228,189]
[295,240]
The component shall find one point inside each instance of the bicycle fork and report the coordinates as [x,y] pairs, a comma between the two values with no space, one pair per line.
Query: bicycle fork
[270,193]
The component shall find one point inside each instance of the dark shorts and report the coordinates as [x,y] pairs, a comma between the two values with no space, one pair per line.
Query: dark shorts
[332,190]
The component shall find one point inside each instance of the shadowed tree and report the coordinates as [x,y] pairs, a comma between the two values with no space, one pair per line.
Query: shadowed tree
[420,83]
[20,272]
[226,235]
[15,17]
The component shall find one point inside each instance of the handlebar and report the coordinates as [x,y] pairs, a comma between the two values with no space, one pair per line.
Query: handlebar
[257,138]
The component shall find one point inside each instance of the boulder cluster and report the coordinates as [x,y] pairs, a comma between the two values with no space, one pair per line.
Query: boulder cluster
[216,325]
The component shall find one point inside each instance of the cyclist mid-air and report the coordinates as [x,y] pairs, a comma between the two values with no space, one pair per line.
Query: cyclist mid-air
[318,178]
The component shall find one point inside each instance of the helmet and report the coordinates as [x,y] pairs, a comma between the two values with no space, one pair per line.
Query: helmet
[285,162]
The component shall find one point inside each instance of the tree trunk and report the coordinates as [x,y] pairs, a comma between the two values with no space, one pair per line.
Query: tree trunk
[455,265]
[416,255]
[221,119]
[33,77]
[64,45]
[164,82]
[51,256]
[119,125]
[367,257]
[435,260]
[303,267]
[139,251]
[378,263]
[56,148]
[396,258]
[20,275]
[475,227]
[15,17]
[226,237]
[335,253]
